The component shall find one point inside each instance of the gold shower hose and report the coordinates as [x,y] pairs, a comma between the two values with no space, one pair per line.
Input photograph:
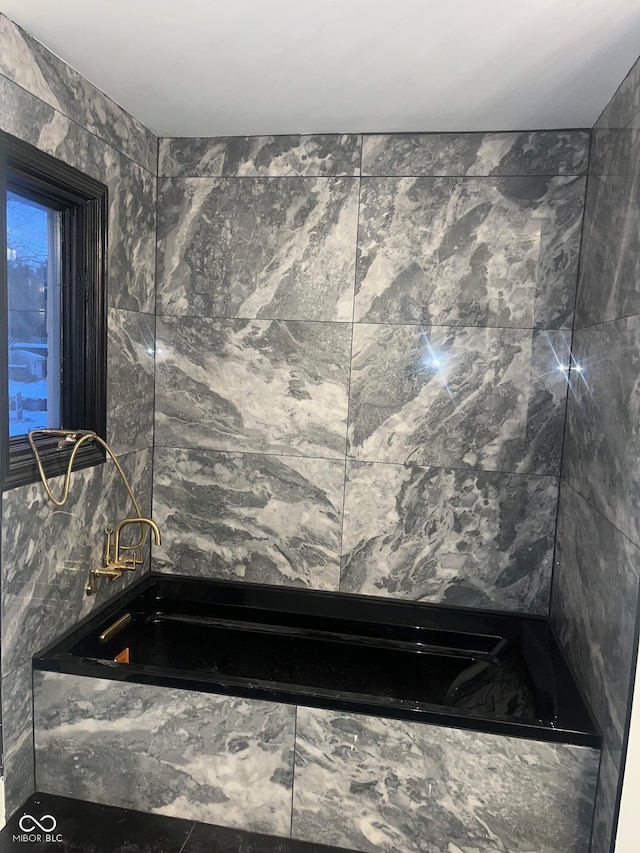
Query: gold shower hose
[80,437]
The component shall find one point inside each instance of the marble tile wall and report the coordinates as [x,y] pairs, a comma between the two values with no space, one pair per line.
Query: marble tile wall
[347,323]
[374,784]
[594,600]
[361,782]
[199,756]
[45,554]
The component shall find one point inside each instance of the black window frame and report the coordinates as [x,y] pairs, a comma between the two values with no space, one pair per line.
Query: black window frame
[83,205]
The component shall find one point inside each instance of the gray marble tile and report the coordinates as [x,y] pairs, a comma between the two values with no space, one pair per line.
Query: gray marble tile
[593,607]
[272,248]
[255,156]
[388,785]
[601,457]
[606,798]
[29,64]
[625,104]
[469,251]
[267,387]
[132,192]
[492,399]
[132,235]
[17,737]
[47,553]
[216,759]
[130,380]
[603,141]
[467,538]
[556,152]
[610,268]
[266,519]
[613,148]
[35,122]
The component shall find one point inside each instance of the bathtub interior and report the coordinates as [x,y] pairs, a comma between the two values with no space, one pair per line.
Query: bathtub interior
[490,671]
[290,739]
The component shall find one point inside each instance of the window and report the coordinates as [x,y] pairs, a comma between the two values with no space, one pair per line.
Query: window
[52,308]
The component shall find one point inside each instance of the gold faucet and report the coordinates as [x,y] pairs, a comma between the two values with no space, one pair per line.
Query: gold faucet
[114,562]
[132,561]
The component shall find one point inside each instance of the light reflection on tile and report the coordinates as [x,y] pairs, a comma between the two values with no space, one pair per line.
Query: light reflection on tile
[491,399]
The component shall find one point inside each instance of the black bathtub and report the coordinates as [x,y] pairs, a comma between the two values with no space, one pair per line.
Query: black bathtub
[480,670]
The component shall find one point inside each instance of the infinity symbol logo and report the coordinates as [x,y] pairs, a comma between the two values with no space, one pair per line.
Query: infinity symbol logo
[28,823]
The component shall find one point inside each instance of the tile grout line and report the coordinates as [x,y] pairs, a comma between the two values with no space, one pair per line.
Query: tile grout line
[155,351]
[293,769]
[596,509]
[565,426]
[82,126]
[353,327]
[354,461]
[419,176]
[408,324]
[598,327]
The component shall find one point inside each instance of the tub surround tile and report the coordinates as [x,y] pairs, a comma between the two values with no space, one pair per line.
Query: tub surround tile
[260,156]
[35,122]
[610,268]
[490,399]
[466,538]
[272,248]
[132,194]
[32,66]
[266,519]
[130,380]
[469,252]
[260,386]
[606,795]
[593,608]
[597,571]
[556,152]
[602,446]
[217,759]
[612,149]
[384,785]
[17,737]
[47,553]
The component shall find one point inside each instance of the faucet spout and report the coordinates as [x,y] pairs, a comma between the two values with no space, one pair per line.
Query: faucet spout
[117,557]
[114,562]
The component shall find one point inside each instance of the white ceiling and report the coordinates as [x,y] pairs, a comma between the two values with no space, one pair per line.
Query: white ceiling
[209,68]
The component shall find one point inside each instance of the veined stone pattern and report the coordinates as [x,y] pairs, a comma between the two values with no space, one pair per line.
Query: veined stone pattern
[597,572]
[47,553]
[360,782]
[382,317]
